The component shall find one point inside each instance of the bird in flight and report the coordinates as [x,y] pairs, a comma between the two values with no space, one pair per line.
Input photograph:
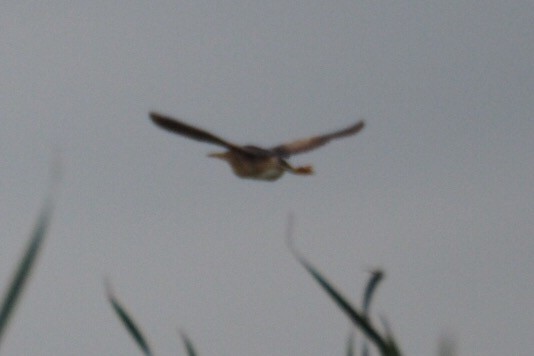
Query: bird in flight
[251,161]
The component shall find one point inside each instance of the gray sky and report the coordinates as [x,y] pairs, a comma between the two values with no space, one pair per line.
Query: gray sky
[437,190]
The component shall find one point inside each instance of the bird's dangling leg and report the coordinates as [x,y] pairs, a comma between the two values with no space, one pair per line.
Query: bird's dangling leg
[302,170]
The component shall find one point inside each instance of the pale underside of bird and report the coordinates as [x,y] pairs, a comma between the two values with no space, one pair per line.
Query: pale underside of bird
[251,161]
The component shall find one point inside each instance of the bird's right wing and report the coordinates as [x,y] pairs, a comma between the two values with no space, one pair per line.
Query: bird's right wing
[180,128]
[310,143]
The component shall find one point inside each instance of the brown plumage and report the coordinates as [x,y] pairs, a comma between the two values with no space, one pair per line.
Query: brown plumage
[251,161]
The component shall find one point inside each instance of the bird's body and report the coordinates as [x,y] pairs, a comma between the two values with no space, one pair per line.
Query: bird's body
[251,161]
[263,168]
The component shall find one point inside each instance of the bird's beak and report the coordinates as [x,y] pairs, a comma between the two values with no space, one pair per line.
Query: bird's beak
[219,155]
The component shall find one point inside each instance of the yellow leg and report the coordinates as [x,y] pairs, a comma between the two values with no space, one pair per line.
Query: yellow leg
[303,170]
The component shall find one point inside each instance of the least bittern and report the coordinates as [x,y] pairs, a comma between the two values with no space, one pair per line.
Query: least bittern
[251,161]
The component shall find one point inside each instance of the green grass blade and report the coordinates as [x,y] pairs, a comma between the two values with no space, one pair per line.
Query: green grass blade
[128,322]
[356,317]
[188,344]
[24,268]
[376,277]
[393,349]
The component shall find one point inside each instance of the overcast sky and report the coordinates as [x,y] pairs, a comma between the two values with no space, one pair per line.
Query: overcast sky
[437,190]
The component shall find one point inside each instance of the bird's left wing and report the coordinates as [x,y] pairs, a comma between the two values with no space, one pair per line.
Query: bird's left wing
[181,128]
[314,142]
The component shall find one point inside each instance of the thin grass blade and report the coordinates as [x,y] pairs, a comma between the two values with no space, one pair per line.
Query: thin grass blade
[128,322]
[376,277]
[188,344]
[24,268]
[393,348]
[356,317]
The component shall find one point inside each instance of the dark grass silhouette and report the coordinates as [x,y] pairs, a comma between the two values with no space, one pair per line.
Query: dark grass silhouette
[23,271]
[384,342]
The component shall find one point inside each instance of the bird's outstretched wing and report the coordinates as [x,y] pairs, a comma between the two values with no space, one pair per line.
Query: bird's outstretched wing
[310,143]
[180,128]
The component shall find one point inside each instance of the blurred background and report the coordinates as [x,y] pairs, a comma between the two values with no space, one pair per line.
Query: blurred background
[437,190]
